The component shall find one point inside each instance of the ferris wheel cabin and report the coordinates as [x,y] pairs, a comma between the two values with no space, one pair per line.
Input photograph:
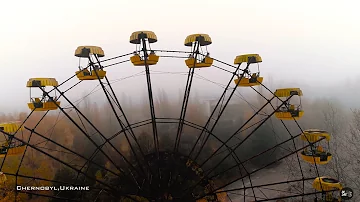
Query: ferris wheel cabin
[11,147]
[144,55]
[327,184]
[250,79]
[92,71]
[316,154]
[198,58]
[43,103]
[290,111]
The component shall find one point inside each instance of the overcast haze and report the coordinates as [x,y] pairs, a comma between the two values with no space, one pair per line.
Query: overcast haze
[301,42]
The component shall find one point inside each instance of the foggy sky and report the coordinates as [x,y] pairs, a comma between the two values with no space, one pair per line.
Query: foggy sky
[311,44]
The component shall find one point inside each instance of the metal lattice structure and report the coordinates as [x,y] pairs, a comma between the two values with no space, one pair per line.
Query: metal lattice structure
[201,173]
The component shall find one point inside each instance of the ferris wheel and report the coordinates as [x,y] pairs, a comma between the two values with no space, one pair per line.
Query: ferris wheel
[205,167]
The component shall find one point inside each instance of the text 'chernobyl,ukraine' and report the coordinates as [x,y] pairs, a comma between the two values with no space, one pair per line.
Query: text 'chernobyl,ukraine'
[52,188]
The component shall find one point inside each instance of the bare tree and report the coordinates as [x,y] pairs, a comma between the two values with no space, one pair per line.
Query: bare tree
[335,124]
[344,145]
[353,153]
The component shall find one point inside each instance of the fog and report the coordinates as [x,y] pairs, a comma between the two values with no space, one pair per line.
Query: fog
[320,113]
[312,45]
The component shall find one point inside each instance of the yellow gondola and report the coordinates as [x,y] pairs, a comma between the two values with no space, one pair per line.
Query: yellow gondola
[9,147]
[249,79]
[327,184]
[10,127]
[289,111]
[93,71]
[149,57]
[202,59]
[42,103]
[316,154]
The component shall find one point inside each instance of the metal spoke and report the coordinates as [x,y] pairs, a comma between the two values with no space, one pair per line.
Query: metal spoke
[186,98]
[92,141]
[148,172]
[221,112]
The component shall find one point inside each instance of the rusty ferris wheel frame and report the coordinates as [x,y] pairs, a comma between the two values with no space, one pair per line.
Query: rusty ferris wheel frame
[145,166]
